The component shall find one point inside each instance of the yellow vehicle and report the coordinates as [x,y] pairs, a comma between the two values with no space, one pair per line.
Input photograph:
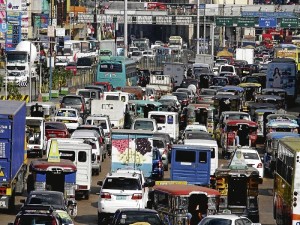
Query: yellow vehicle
[290,51]
[250,90]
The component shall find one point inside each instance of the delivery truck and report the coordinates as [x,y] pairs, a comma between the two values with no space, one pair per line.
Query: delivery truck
[246,54]
[132,149]
[13,158]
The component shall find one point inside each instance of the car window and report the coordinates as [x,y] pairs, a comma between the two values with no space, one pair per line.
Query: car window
[35,219]
[127,218]
[246,221]
[144,125]
[239,222]
[250,155]
[55,126]
[158,144]
[45,199]
[72,100]
[121,183]
[155,155]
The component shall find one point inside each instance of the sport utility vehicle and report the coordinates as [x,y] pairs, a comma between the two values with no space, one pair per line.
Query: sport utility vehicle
[76,102]
[121,189]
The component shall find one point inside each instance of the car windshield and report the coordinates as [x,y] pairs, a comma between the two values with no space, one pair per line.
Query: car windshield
[121,183]
[156,155]
[216,221]
[181,96]
[66,113]
[158,144]
[45,199]
[208,92]
[196,135]
[55,126]
[35,219]
[72,100]
[143,125]
[127,218]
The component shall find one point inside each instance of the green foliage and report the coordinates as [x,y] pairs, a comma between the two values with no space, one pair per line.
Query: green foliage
[13,90]
[60,78]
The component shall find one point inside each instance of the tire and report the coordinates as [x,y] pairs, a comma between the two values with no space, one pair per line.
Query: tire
[101,218]
[87,195]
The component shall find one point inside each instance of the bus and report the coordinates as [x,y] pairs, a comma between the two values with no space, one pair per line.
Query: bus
[286,202]
[118,71]
[282,73]
[288,51]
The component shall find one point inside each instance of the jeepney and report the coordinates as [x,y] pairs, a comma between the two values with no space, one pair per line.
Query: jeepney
[176,202]
[260,117]
[205,80]
[271,145]
[251,89]
[137,107]
[238,185]
[226,103]
[278,101]
[275,91]
[253,106]
[281,126]
[202,114]
[235,89]
[238,133]
[55,176]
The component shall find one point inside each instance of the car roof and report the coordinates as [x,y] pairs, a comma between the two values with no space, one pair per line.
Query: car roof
[225,216]
[123,174]
[137,209]
[46,192]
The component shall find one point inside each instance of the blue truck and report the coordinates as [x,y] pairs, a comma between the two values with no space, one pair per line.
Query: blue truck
[191,163]
[13,157]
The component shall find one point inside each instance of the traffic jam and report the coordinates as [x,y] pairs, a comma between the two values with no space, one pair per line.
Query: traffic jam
[180,121]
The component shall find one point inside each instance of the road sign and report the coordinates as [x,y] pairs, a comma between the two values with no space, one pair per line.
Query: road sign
[266,22]
[224,21]
[289,22]
[3,27]
[245,21]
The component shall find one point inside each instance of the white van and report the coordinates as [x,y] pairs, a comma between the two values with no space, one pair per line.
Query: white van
[212,144]
[35,133]
[227,68]
[167,122]
[92,137]
[81,155]
[118,96]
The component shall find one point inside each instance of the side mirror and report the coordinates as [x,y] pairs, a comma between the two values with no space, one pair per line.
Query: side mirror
[71,202]
[100,183]
[149,183]
[159,128]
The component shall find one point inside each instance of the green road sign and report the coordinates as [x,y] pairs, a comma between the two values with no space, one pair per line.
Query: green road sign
[224,21]
[245,21]
[289,22]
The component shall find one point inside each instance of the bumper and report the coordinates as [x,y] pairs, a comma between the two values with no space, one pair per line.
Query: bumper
[110,207]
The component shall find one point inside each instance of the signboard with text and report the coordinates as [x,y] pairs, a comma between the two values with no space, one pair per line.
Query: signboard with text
[13,34]
[266,22]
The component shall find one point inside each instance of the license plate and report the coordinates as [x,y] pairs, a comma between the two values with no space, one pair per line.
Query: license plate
[121,197]
[66,121]
[52,135]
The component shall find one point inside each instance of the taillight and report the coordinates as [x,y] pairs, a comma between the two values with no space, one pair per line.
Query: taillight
[82,108]
[259,165]
[17,222]
[53,221]
[105,195]
[136,196]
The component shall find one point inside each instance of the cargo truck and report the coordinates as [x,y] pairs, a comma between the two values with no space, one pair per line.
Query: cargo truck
[246,54]
[13,157]
[132,149]
[177,71]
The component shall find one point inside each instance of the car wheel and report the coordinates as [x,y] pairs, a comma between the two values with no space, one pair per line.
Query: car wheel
[166,167]
[87,195]
[101,218]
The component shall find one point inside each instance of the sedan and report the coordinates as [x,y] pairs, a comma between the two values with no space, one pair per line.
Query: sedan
[56,130]
[157,165]
[226,219]
[68,116]
[249,157]
[183,98]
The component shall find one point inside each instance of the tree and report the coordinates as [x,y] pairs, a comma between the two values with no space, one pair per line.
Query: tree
[13,90]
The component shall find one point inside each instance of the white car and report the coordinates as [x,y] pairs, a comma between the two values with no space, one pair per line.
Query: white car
[196,127]
[173,97]
[149,54]
[69,116]
[249,157]
[121,190]
[137,56]
[228,219]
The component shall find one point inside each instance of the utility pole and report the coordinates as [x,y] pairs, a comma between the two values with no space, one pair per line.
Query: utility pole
[198,26]
[125,29]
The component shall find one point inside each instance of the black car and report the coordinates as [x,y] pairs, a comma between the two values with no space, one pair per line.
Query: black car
[54,198]
[183,98]
[37,214]
[126,216]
